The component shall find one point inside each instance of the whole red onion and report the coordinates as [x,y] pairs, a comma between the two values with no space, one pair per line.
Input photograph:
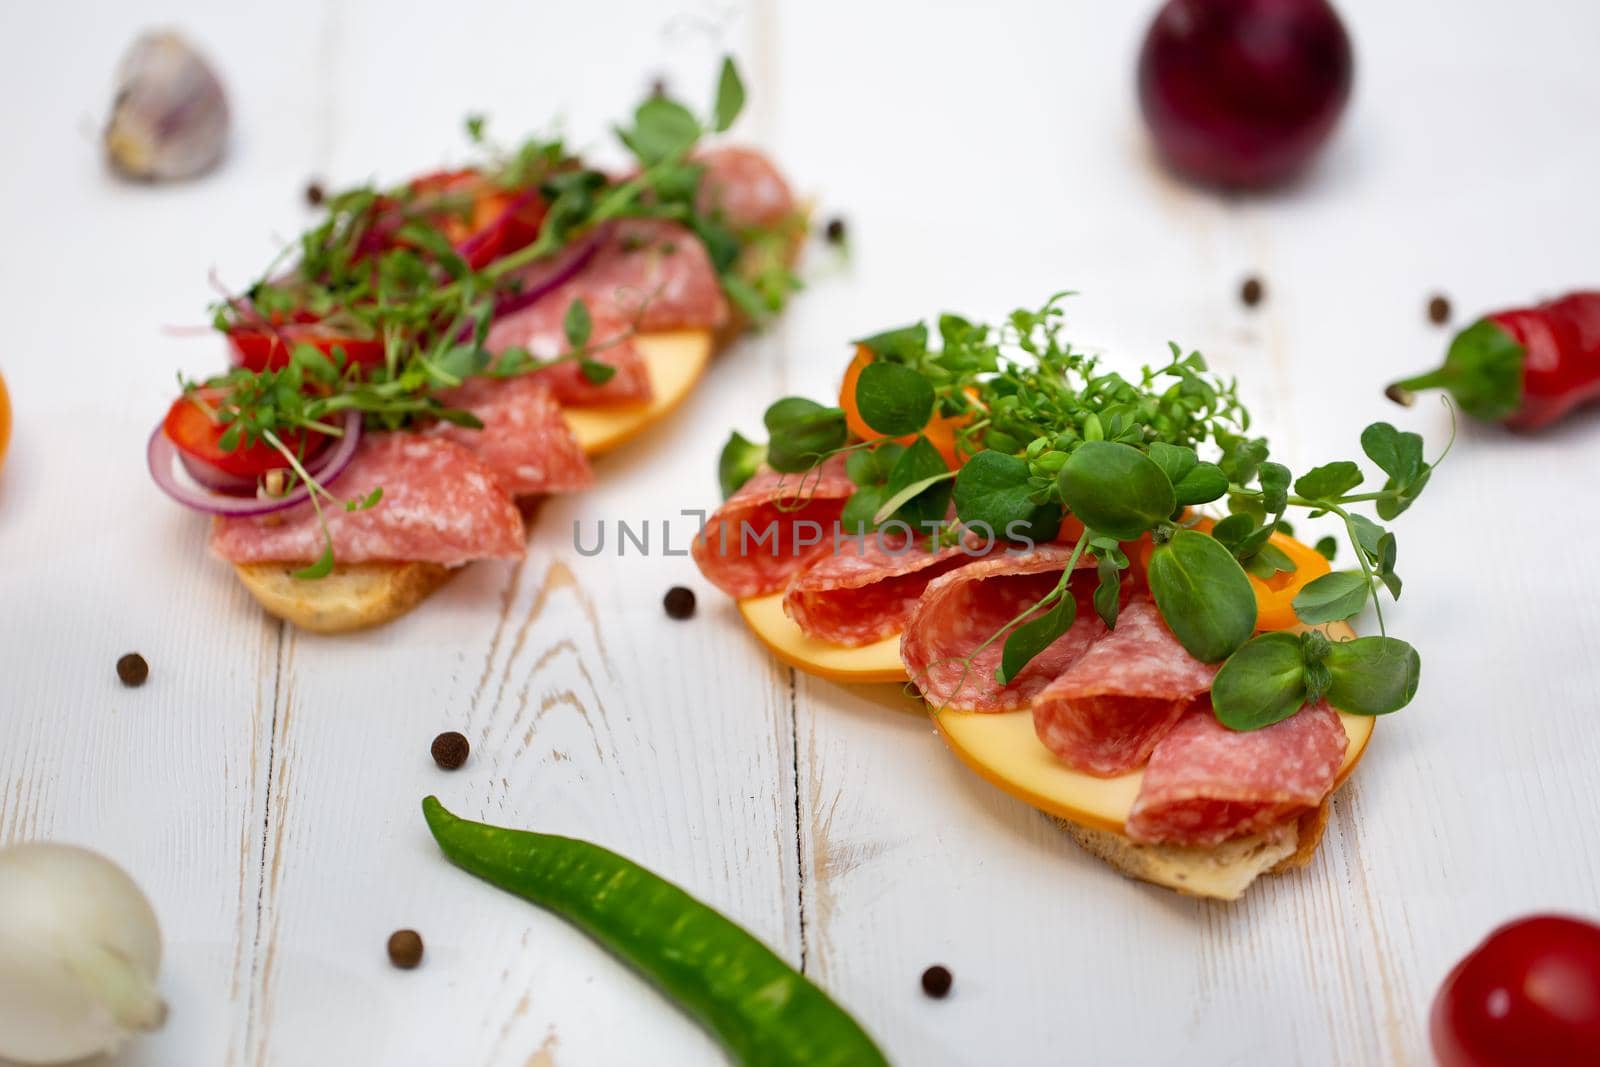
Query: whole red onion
[1244,92]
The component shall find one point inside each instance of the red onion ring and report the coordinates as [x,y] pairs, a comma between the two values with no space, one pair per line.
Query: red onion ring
[568,262]
[216,480]
[165,459]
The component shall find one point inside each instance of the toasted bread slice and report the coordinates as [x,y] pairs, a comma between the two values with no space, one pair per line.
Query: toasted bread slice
[354,597]
[1221,873]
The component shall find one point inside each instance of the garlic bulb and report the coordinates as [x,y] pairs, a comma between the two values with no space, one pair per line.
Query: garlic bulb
[79,951]
[170,119]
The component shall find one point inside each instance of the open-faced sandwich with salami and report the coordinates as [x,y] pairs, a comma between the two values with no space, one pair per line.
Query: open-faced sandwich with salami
[1089,578]
[430,354]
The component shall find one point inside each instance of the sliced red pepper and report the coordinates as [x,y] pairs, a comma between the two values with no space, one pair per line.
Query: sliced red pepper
[198,435]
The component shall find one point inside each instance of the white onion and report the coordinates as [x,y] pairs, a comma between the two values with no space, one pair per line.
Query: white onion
[79,952]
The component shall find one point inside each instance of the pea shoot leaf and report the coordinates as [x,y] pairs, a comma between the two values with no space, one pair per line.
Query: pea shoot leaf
[1108,593]
[993,494]
[1334,597]
[904,343]
[577,324]
[1327,547]
[803,433]
[1175,461]
[1399,455]
[1203,483]
[738,463]
[859,514]
[730,96]
[918,486]
[1260,684]
[871,466]
[661,128]
[1275,478]
[1241,456]
[1329,481]
[1372,675]
[1034,636]
[1234,529]
[1203,595]
[1368,534]
[893,399]
[1116,489]
[1267,561]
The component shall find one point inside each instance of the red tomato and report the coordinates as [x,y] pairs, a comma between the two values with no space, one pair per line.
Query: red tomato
[261,348]
[1529,994]
[197,435]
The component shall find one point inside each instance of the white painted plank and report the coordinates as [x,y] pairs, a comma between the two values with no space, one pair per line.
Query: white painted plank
[167,779]
[591,713]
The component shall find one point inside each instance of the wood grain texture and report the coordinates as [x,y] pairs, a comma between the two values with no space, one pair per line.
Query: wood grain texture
[264,785]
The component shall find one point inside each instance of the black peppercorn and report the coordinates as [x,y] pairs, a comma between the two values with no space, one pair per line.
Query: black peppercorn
[936,981]
[405,949]
[1439,311]
[450,750]
[679,602]
[1252,291]
[133,670]
[835,231]
[315,194]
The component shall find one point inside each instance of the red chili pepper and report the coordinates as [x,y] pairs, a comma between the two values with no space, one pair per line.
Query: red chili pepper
[1526,368]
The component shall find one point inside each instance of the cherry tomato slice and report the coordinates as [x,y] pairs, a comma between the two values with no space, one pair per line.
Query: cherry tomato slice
[1530,993]
[260,348]
[192,429]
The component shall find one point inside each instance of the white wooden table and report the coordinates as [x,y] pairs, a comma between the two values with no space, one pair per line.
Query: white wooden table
[264,785]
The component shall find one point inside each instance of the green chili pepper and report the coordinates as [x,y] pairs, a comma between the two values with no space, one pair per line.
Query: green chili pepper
[763,1010]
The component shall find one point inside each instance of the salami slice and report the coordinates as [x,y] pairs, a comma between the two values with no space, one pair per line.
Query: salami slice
[1207,784]
[1105,714]
[525,440]
[964,608]
[772,528]
[867,590]
[440,504]
[744,187]
[648,273]
[540,329]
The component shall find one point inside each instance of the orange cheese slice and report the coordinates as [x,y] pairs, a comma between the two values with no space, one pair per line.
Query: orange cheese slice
[675,362]
[878,662]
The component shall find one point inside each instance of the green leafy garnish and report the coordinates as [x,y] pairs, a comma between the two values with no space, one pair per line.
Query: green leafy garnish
[738,463]
[893,399]
[1203,595]
[1043,432]
[395,271]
